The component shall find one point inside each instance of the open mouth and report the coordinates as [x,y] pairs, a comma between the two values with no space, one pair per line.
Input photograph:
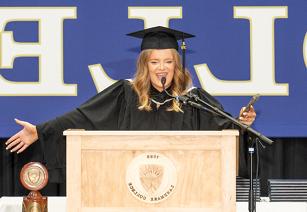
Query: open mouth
[161,75]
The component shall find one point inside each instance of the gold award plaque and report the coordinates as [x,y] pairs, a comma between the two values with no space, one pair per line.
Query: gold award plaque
[34,177]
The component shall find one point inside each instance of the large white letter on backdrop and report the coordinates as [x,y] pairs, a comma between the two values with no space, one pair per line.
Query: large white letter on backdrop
[262,57]
[305,49]
[152,16]
[49,50]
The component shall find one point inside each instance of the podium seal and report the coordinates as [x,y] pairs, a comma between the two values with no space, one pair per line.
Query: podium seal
[151,177]
[34,177]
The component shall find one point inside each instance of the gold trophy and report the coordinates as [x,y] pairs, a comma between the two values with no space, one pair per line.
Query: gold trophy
[34,177]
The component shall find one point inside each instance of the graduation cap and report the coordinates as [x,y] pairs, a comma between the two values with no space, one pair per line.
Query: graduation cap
[162,38]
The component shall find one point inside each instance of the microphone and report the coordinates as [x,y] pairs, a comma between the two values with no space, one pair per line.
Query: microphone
[163,81]
[183,99]
[251,102]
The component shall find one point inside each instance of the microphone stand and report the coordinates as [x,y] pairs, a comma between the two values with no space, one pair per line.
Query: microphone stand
[251,193]
[251,149]
[208,107]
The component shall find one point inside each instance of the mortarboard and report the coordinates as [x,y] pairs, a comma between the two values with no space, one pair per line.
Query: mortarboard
[162,38]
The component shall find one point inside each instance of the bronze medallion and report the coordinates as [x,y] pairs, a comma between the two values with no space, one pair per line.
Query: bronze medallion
[34,176]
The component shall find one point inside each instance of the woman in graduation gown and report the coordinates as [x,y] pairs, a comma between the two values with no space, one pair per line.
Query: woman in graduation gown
[139,104]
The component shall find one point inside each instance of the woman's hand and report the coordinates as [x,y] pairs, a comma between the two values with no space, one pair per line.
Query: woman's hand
[23,139]
[247,117]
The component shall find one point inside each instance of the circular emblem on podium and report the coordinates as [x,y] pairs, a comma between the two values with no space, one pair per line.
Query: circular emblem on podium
[34,176]
[151,177]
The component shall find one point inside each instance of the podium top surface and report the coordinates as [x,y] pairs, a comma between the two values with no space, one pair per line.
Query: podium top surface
[98,132]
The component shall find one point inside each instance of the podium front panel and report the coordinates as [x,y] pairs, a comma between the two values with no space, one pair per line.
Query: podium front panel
[98,163]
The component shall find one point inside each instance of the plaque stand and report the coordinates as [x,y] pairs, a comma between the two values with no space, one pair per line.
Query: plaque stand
[34,201]
[34,176]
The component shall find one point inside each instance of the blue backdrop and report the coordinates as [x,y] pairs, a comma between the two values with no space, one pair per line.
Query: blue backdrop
[97,36]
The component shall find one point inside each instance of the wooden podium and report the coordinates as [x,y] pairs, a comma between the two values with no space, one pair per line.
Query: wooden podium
[169,171]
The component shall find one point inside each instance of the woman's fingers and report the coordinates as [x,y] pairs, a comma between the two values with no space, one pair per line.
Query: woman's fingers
[251,113]
[17,147]
[251,108]
[22,123]
[17,135]
[23,148]
[13,143]
[247,117]
[241,111]
[14,137]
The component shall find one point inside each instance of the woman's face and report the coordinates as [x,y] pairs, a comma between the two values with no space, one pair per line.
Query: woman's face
[161,63]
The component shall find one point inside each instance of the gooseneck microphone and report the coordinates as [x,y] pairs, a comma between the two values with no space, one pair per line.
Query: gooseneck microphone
[163,81]
[183,99]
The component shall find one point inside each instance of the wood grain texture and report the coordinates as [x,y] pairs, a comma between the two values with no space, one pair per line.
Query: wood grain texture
[205,163]
[73,172]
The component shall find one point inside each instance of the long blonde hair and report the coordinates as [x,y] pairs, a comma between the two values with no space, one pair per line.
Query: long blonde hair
[141,82]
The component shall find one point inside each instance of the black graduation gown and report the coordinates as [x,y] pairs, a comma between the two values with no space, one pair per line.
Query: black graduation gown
[115,108]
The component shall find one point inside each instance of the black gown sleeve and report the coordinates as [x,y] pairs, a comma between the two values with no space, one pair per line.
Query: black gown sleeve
[219,123]
[210,120]
[101,112]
